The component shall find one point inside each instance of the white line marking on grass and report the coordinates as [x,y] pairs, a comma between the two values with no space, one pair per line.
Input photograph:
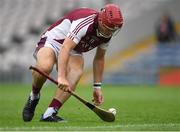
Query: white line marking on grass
[91,127]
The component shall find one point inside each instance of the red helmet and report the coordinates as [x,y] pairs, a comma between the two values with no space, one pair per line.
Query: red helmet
[111,16]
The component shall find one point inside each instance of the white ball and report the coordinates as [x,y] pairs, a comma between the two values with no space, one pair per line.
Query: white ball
[112,110]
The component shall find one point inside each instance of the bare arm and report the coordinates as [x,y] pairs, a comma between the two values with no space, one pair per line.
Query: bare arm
[98,65]
[63,58]
[98,69]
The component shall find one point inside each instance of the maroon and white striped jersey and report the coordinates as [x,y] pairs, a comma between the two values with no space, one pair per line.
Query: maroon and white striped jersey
[80,26]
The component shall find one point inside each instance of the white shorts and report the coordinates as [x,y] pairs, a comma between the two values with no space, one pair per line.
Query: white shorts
[55,46]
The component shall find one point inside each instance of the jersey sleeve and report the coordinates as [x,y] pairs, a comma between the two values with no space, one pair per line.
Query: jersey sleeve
[79,28]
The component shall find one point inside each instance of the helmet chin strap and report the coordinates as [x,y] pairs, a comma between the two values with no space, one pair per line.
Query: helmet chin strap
[99,34]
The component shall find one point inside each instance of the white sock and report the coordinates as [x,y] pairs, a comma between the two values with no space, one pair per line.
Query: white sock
[34,96]
[49,112]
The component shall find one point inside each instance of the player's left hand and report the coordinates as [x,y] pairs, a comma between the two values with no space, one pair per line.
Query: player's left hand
[64,84]
[97,97]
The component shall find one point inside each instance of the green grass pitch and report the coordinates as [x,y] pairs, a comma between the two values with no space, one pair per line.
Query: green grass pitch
[138,108]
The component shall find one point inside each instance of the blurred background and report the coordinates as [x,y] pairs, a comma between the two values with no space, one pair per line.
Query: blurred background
[145,51]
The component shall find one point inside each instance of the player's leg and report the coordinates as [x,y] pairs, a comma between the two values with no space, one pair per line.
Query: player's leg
[45,61]
[74,73]
[75,70]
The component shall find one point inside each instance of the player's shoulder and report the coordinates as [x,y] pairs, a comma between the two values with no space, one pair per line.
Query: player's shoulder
[85,10]
[81,12]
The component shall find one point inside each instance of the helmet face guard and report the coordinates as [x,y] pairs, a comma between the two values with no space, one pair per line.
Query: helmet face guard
[111,18]
[103,33]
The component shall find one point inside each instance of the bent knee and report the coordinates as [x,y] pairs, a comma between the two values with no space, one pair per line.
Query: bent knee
[46,69]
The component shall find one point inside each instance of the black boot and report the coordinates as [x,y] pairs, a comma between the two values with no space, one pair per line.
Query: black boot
[29,108]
